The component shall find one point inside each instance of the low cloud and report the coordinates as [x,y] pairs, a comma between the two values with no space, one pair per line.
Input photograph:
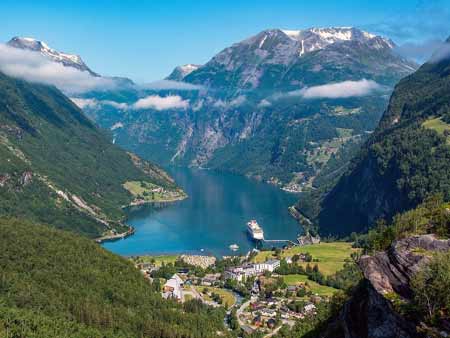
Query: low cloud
[238,101]
[337,90]
[264,103]
[161,102]
[150,102]
[32,66]
[96,104]
[169,84]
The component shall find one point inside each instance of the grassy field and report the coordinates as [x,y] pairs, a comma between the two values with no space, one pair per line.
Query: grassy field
[150,192]
[227,297]
[315,288]
[438,125]
[331,256]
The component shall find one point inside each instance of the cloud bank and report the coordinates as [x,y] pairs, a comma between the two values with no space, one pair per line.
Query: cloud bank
[150,102]
[161,102]
[33,67]
[338,90]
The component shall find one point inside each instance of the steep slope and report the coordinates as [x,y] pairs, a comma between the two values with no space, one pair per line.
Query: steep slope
[56,284]
[407,158]
[57,167]
[250,113]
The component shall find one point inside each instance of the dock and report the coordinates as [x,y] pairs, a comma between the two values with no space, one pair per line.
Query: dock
[280,241]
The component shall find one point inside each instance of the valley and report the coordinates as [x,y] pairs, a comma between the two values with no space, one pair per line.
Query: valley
[232,179]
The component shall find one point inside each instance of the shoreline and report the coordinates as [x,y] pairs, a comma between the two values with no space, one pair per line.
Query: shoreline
[131,230]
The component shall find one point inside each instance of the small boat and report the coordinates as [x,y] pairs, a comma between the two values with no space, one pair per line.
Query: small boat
[234,247]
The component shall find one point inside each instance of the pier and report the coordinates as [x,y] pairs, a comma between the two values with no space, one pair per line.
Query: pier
[280,241]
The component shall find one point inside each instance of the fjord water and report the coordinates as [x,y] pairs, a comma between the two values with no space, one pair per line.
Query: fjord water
[213,217]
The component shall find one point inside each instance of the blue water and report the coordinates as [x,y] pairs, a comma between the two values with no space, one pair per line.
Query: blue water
[213,217]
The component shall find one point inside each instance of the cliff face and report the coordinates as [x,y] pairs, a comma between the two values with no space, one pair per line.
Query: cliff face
[369,313]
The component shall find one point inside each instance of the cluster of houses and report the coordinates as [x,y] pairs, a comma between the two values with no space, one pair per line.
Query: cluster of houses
[267,312]
[250,270]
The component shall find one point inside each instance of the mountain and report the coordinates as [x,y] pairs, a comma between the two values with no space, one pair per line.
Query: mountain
[277,107]
[58,168]
[68,60]
[180,72]
[57,284]
[287,60]
[405,160]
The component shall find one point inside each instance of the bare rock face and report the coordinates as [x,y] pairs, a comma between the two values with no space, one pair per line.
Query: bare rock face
[369,314]
[392,270]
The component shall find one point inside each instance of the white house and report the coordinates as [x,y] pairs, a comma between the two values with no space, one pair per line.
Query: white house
[173,288]
[269,265]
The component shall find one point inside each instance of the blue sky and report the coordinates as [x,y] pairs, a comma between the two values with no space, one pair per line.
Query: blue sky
[145,40]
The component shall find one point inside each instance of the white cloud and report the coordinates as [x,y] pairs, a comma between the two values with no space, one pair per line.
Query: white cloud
[162,102]
[85,103]
[117,105]
[219,104]
[238,101]
[337,90]
[32,66]
[169,84]
[96,104]
[264,103]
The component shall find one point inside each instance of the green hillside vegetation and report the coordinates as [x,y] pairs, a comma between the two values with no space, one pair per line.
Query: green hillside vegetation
[405,161]
[57,167]
[56,284]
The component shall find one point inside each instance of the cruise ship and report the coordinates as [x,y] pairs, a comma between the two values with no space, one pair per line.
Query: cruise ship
[255,230]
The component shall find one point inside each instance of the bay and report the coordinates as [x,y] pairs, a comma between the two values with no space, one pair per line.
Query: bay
[213,217]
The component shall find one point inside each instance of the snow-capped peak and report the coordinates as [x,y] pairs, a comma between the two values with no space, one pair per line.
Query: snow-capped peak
[188,68]
[69,60]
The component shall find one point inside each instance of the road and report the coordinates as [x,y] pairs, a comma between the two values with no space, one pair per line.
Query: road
[239,312]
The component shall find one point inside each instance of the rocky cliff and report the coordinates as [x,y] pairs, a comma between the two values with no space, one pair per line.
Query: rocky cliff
[370,312]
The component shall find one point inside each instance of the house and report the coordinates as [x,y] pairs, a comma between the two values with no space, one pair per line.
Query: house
[257,321]
[269,265]
[309,308]
[292,288]
[271,323]
[174,288]
[268,312]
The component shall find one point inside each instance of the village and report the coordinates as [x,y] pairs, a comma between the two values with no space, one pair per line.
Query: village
[261,291]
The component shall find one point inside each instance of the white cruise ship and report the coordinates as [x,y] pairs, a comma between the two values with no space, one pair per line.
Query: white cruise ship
[255,230]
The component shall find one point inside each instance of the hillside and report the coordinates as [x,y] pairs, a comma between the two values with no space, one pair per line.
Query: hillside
[56,284]
[406,160]
[57,167]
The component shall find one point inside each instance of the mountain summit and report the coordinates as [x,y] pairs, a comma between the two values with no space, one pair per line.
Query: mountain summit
[68,60]
[285,59]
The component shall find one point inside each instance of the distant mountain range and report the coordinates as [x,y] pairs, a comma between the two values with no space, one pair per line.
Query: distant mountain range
[286,59]
[287,107]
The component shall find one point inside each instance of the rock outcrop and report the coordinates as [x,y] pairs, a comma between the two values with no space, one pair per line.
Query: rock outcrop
[392,270]
[369,313]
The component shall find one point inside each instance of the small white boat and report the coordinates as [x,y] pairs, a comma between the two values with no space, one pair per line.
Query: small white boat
[234,247]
